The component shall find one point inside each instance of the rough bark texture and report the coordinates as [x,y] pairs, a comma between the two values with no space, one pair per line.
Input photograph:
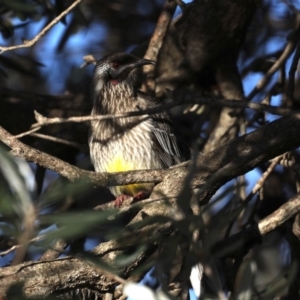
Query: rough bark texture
[213,169]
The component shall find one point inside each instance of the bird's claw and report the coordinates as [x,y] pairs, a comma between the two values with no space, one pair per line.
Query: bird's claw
[137,197]
[140,196]
[120,199]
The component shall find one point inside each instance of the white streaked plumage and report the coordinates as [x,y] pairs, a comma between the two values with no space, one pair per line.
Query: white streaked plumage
[133,143]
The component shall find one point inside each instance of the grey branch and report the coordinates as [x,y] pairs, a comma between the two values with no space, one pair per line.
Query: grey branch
[71,172]
[30,43]
[214,168]
[254,233]
[288,50]
[44,121]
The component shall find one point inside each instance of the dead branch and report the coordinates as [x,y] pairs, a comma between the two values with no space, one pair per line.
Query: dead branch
[61,141]
[259,184]
[71,172]
[217,102]
[281,215]
[156,42]
[288,50]
[289,95]
[215,168]
[30,43]
[254,233]
[235,158]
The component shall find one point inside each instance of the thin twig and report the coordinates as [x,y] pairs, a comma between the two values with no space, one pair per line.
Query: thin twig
[264,177]
[266,174]
[256,188]
[9,250]
[30,43]
[15,247]
[156,42]
[88,59]
[291,82]
[44,121]
[58,140]
[288,50]
[29,132]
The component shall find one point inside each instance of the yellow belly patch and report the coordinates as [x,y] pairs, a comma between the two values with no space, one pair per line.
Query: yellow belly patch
[120,165]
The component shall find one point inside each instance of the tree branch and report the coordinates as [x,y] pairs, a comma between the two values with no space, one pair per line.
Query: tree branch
[288,50]
[157,40]
[214,168]
[71,172]
[254,233]
[233,159]
[30,43]
[70,273]
[217,102]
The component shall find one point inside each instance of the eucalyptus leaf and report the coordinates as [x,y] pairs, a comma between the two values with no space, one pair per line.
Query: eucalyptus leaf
[243,286]
[15,175]
[73,224]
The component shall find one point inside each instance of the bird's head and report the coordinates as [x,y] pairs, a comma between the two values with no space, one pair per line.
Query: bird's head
[115,69]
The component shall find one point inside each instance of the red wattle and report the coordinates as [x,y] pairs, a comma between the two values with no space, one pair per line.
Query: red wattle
[114,81]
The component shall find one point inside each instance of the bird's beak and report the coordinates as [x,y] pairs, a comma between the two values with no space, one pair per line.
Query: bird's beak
[127,68]
[142,62]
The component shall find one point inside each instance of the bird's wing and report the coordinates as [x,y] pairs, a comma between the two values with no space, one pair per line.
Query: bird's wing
[168,141]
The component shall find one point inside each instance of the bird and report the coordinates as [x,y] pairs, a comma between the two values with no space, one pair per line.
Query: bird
[130,143]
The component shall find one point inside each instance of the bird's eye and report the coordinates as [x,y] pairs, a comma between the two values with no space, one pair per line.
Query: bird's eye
[115,64]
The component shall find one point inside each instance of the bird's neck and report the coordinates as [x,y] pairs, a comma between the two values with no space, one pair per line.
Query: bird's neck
[115,98]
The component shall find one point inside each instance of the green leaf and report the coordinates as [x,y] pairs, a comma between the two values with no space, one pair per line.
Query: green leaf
[73,224]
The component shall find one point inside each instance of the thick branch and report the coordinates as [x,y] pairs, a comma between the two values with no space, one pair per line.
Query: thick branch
[70,273]
[235,158]
[71,172]
[43,278]
[214,168]
[253,234]
[281,215]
